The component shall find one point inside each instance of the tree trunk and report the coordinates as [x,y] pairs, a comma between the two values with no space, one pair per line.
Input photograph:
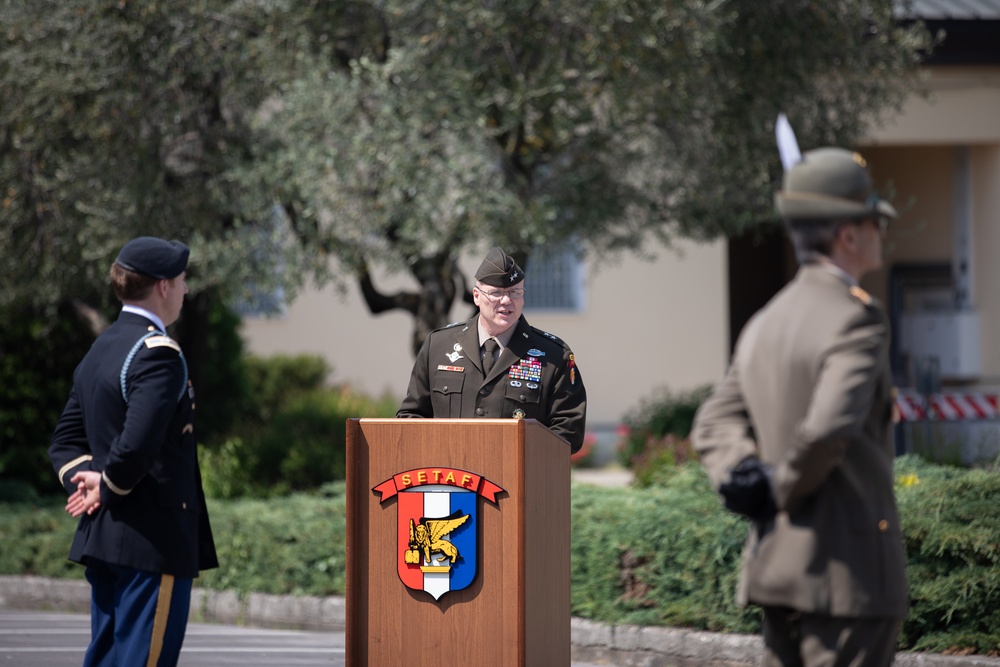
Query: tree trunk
[440,283]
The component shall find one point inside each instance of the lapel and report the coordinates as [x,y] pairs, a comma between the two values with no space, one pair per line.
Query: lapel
[468,337]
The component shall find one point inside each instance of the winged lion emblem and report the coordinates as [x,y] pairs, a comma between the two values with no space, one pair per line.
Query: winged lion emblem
[427,537]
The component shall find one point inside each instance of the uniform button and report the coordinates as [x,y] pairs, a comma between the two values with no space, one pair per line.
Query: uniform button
[883,525]
[522,397]
[484,391]
[444,388]
[184,506]
[479,411]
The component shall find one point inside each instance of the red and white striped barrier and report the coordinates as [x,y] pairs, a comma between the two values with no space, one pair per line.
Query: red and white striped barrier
[946,406]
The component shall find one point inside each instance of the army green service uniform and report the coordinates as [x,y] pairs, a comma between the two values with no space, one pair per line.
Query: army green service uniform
[535,377]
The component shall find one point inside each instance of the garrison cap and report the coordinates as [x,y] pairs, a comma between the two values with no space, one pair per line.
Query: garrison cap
[829,184]
[499,270]
[153,257]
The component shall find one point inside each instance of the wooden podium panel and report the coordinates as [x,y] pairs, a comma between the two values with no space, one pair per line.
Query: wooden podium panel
[516,611]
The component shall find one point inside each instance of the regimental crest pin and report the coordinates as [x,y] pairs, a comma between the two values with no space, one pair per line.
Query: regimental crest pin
[437,525]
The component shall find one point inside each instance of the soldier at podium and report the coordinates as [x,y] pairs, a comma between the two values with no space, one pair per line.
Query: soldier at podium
[497,366]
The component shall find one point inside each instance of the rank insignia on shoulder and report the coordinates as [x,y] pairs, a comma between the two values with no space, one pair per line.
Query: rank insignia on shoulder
[861,295]
[551,337]
[162,341]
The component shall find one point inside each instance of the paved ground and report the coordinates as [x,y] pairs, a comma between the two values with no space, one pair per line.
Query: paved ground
[48,639]
[609,476]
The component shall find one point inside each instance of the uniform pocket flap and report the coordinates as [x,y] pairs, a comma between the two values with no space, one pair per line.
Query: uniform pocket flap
[447,383]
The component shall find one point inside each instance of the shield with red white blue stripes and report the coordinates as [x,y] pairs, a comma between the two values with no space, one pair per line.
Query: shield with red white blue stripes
[437,526]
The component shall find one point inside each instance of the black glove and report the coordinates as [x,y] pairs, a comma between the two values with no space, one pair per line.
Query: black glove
[748,491]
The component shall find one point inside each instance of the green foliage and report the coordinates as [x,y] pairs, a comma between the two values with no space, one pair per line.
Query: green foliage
[662,555]
[221,382]
[654,433]
[37,357]
[278,379]
[658,556]
[237,466]
[659,462]
[305,444]
[38,354]
[584,458]
[293,545]
[16,491]
[120,119]
[952,534]
[36,538]
[292,433]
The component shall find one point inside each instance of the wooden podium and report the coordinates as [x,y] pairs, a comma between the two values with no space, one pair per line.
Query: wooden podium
[515,610]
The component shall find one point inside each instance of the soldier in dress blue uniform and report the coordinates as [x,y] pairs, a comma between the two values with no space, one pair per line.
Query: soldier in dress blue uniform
[124,448]
[496,365]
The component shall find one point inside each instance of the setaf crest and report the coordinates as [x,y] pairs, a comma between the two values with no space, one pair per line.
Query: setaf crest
[437,526]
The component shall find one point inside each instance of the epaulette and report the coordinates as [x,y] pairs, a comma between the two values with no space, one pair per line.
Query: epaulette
[162,341]
[861,295]
[449,326]
[551,337]
[152,339]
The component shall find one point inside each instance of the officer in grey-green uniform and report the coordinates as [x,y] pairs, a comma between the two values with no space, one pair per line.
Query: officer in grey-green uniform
[797,436]
[498,366]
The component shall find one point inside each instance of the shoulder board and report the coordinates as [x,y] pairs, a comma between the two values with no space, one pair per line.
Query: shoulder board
[861,295]
[450,326]
[551,337]
[162,341]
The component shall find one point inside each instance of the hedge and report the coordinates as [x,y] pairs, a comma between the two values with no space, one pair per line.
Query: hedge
[667,554]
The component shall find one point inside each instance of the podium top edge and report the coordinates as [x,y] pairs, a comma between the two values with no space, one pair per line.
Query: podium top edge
[436,420]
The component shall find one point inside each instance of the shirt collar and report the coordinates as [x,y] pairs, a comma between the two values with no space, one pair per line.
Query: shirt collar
[837,271]
[502,338]
[138,310]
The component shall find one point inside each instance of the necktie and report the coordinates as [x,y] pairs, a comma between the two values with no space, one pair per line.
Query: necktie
[490,346]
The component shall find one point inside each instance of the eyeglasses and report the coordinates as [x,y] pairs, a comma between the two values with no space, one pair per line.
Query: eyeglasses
[881,223]
[497,294]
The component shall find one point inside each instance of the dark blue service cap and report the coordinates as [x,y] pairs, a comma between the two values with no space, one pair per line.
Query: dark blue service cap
[153,257]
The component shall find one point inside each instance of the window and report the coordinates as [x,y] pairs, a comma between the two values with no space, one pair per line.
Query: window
[555,278]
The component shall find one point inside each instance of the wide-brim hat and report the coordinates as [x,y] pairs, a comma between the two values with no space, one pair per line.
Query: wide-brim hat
[829,184]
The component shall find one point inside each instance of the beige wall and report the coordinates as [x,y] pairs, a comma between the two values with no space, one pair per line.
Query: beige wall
[961,106]
[920,181]
[645,325]
[914,157]
[986,251]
